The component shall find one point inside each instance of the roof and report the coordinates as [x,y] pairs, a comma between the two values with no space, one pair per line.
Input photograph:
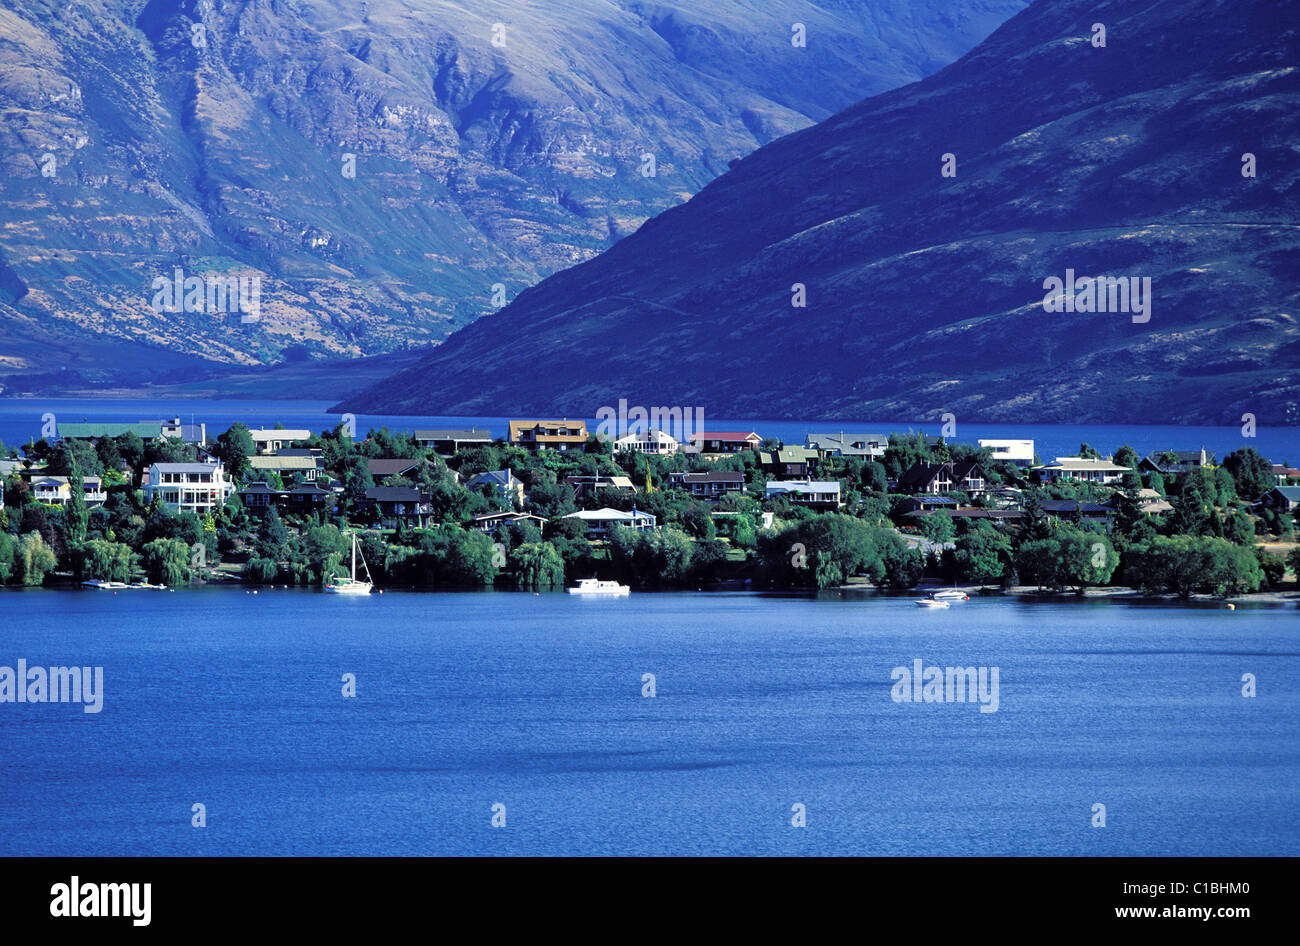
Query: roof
[394,494]
[1072,505]
[725,435]
[1288,492]
[390,467]
[788,455]
[607,514]
[1086,464]
[512,516]
[846,443]
[919,474]
[713,476]
[599,480]
[51,478]
[804,486]
[145,430]
[475,434]
[280,433]
[640,436]
[189,467]
[283,463]
[577,429]
[494,477]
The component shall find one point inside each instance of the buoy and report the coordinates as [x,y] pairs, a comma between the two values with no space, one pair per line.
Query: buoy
[1232,607]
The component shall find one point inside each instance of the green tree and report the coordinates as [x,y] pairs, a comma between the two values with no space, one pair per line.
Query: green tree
[167,562]
[538,565]
[234,447]
[33,559]
[1252,473]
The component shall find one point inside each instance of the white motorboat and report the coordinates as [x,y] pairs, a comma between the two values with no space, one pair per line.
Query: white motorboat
[932,603]
[351,585]
[950,594]
[590,586]
[104,585]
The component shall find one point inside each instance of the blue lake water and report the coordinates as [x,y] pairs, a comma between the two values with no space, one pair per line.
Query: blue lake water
[21,419]
[466,700]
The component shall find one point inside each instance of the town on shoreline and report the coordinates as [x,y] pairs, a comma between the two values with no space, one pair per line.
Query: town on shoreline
[548,502]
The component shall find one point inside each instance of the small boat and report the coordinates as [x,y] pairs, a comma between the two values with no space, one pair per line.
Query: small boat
[932,603]
[950,594]
[104,585]
[590,586]
[351,585]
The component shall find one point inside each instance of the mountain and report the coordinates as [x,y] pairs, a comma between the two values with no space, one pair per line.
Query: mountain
[925,294]
[384,168]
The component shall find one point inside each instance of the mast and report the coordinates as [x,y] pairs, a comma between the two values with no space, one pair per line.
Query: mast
[354,556]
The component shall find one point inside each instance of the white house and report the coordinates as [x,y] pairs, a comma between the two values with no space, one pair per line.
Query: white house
[193,487]
[816,493]
[269,441]
[599,522]
[649,441]
[1085,469]
[1019,452]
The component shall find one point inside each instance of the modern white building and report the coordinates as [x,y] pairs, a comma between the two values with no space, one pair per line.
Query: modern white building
[268,440]
[649,441]
[1019,452]
[1084,469]
[599,522]
[192,487]
[816,493]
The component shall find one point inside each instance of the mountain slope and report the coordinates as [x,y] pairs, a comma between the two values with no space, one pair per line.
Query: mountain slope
[924,293]
[494,143]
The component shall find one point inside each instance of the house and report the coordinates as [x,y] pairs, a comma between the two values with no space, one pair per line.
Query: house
[726,442]
[1149,501]
[492,521]
[927,504]
[381,468]
[289,466]
[1019,452]
[1285,474]
[600,522]
[1175,461]
[447,442]
[57,490]
[815,494]
[503,483]
[649,441]
[792,462]
[306,498]
[189,487]
[867,446]
[145,430]
[713,485]
[1281,499]
[186,433]
[584,486]
[996,516]
[394,505]
[269,441]
[1073,509]
[966,476]
[1084,469]
[548,434]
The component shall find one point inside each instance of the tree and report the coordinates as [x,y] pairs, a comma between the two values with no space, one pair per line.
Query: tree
[538,565]
[33,559]
[938,528]
[74,513]
[1185,564]
[167,562]
[234,447]
[271,535]
[1252,473]
[107,561]
[983,555]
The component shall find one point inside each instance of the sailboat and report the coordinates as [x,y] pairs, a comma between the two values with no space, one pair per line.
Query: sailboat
[351,586]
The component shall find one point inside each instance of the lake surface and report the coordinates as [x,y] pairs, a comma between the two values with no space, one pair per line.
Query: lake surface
[762,702]
[21,420]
